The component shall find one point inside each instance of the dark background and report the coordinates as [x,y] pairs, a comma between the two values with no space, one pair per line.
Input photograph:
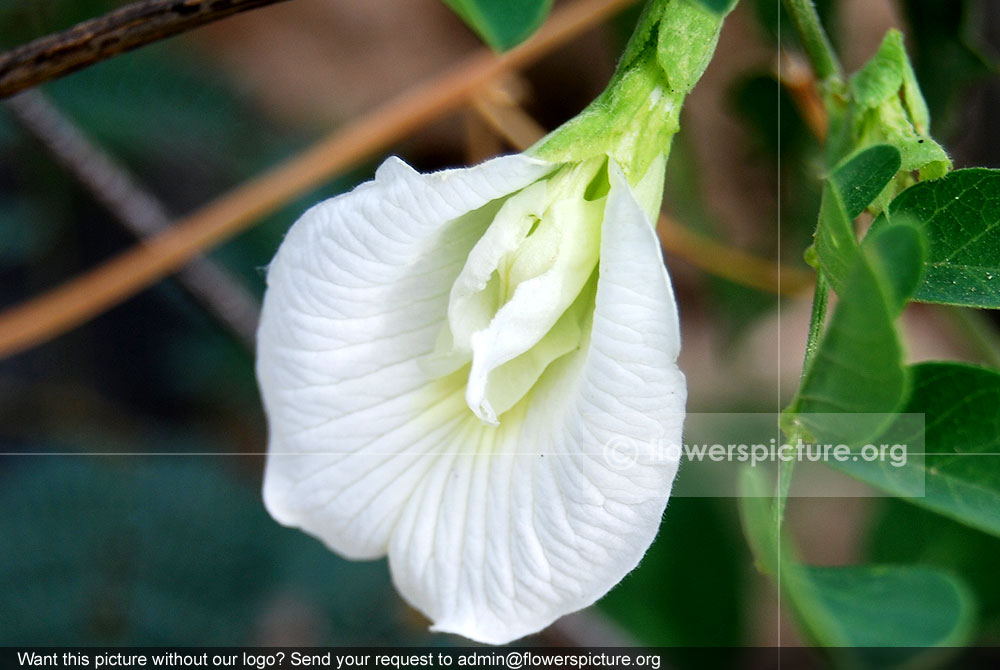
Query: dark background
[130,474]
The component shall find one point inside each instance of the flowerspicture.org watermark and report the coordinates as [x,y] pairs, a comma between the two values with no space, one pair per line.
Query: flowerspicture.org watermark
[621,452]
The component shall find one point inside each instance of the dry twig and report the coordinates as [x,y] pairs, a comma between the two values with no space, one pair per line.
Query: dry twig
[87,295]
[100,38]
[800,82]
[139,211]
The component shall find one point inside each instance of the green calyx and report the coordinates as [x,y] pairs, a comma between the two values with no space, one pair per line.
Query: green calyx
[887,107]
[634,120]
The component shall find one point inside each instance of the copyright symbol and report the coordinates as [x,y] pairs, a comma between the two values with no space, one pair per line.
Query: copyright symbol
[514,660]
[620,453]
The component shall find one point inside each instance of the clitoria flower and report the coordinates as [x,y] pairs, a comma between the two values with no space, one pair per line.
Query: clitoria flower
[462,370]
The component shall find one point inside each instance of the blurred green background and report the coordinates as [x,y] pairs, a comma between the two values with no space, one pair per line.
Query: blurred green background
[131,470]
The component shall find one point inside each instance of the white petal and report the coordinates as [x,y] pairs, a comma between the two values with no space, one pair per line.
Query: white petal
[539,302]
[356,294]
[533,522]
[493,532]
[538,278]
[649,191]
[468,309]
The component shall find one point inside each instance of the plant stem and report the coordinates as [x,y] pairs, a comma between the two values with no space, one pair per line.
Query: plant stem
[94,291]
[830,74]
[821,299]
[785,469]
[121,30]
[814,39]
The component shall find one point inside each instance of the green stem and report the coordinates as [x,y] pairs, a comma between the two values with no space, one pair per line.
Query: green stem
[814,39]
[827,68]
[785,469]
[634,120]
[821,299]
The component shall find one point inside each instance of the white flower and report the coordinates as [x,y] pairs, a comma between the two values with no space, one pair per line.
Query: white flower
[445,359]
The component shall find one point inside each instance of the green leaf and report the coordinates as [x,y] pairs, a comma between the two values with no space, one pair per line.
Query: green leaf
[960,475]
[905,533]
[887,107]
[858,367]
[890,606]
[960,216]
[862,177]
[836,247]
[896,255]
[857,606]
[502,24]
[849,190]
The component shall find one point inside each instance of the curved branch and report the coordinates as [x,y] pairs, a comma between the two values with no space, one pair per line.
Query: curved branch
[96,290]
[138,210]
[122,30]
